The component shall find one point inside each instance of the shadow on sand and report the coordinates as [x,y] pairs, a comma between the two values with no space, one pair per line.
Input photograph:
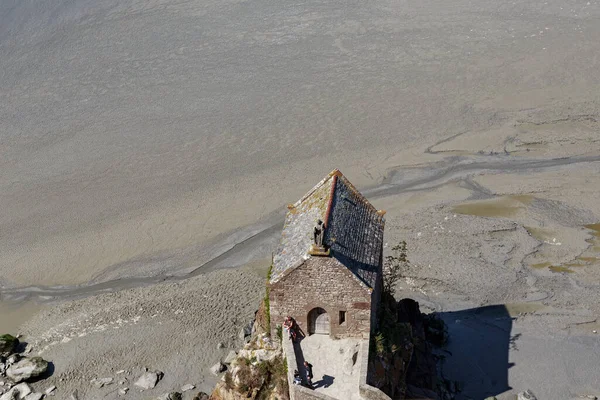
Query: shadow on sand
[477,351]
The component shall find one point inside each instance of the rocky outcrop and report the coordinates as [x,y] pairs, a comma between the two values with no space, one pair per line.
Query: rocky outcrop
[257,371]
[402,362]
[17,369]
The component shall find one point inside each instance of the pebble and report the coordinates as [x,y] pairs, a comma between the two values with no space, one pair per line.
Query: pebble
[100,382]
[187,387]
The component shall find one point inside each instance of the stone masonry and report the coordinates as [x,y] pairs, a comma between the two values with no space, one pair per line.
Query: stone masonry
[323,282]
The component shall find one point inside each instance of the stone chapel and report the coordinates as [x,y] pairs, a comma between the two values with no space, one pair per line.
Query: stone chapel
[327,271]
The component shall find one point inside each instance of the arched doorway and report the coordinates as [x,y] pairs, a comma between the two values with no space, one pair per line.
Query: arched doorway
[318,321]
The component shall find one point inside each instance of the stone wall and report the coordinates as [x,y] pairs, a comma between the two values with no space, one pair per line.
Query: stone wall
[367,391]
[322,282]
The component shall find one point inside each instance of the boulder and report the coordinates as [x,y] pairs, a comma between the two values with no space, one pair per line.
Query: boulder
[34,396]
[27,368]
[8,344]
[201,396]
[18,392]
[148,380]
[230,357]
[218,368]
[526,395]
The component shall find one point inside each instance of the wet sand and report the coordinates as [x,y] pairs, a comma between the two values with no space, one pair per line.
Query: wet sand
[133,133]
[14,315]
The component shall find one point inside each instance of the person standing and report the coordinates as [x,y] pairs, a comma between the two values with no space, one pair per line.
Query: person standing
[309,373]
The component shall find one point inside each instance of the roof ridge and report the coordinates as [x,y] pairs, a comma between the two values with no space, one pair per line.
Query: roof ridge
[314,188]
[330,201]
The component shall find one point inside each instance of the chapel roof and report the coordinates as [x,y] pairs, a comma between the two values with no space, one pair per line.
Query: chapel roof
[353,229]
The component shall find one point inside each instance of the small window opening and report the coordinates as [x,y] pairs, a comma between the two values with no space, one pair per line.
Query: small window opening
[342,317]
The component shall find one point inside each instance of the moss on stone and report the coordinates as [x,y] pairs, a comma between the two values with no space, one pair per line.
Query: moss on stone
[8,344]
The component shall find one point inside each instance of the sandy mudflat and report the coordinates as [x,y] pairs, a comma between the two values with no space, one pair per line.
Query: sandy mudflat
[132,132]
[145,143]
[172,327]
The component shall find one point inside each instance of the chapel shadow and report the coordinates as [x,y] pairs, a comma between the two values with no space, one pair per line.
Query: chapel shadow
[477,352]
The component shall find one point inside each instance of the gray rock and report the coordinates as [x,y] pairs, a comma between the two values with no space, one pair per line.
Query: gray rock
[148,380]
[17,393]
[187,387]
[242,334]
[101,382]
[8,344]
[202,396]
[123,391]
[230,357]
[218,368]
[526,395]
[13,358]
[27,368]
[34,396]
[50,390]
[220,345]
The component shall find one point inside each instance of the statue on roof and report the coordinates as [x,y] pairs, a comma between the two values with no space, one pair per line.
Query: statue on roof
[319,233]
